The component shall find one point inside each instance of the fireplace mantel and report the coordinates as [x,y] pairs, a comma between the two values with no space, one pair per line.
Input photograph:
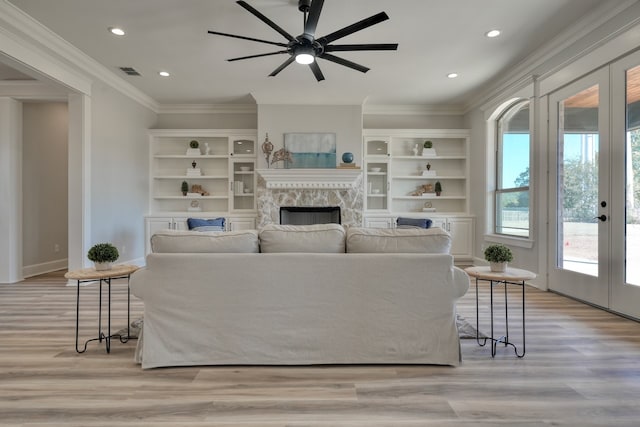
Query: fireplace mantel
[310,178]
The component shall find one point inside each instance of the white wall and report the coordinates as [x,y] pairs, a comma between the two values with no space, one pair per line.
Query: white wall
[343,120]
[44,187]
[119,171]
[413,121]
[207,121]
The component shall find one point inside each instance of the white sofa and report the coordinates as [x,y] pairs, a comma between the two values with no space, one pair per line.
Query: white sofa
[313,295]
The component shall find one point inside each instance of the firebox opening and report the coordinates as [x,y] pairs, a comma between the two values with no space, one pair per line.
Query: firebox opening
[307,215]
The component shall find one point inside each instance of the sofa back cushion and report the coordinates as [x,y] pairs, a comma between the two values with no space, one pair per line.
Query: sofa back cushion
[325,238]
[174,241]
[398,240]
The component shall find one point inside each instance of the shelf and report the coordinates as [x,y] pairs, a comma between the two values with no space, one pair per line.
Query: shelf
[377,173]
[421,177]
[190,198]
[376,195]
[453,157]
[434,197]
[184,156]
[243,195]
[184,177]
[243,172]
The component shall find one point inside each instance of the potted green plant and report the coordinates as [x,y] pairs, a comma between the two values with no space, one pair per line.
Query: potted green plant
[427,149]
[184,188]
[498,256]
[438,188]
[103,255]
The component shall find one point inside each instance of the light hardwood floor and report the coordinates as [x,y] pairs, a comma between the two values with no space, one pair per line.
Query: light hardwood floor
[582,367]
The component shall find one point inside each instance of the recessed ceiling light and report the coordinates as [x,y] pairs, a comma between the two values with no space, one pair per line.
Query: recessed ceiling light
[117,31]
[452,75]
[164,74]
[493,33]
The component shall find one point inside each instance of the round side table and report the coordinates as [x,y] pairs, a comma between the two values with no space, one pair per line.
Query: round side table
[512,276]
[91,275]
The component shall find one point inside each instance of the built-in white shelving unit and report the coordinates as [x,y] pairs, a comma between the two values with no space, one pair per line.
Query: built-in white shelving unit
[401,176]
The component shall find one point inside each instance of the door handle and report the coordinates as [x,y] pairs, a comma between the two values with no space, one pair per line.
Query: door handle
[602,217]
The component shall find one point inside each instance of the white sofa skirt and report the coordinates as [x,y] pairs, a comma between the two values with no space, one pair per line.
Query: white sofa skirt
[299,309]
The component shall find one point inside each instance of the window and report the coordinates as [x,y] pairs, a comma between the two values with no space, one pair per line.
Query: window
[512,206]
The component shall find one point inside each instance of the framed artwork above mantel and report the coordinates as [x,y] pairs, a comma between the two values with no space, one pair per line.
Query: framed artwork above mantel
[310,150]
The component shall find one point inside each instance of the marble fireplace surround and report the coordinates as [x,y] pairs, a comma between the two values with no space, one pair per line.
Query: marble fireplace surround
[309,187]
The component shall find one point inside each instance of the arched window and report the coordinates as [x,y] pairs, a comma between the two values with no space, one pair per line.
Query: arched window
[512,205]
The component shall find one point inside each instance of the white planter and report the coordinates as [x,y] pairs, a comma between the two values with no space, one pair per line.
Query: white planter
[102,266]
[498,267]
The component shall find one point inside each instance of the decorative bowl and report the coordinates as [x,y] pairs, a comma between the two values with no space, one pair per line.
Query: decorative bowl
[375,169]
[245,168]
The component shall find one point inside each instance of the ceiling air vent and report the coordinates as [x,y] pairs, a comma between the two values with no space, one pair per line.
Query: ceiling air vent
[130,71]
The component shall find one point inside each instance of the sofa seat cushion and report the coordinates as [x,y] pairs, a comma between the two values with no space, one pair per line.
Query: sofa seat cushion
[318,238]
[398,240]
[175,241]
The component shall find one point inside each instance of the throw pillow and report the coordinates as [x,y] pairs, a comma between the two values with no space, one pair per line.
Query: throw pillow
[199,224]
[324,238]
[398,240]
[414,222]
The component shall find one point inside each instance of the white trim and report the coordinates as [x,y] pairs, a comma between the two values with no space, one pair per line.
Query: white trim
[609,48]
[45,267]
[79,180]
[310,178]
[23,27]
[413,110]
[207,109]
[596,18]
[508,240]
[32,89]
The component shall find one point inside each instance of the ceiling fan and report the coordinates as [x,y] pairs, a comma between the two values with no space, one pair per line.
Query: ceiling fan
[306,48]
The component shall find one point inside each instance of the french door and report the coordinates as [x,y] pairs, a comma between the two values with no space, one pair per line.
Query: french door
[594,215]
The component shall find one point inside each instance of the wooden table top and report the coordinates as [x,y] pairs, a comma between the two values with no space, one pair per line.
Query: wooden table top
[512,274]
[92,274]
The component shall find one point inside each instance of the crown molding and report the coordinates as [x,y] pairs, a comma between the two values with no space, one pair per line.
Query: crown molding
[523,70]
[207,109]
[413,110]
[63,59]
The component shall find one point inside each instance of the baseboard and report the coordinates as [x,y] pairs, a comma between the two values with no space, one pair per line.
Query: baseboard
[45,267]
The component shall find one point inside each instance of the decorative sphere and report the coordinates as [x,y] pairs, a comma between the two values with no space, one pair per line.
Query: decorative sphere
[347,157]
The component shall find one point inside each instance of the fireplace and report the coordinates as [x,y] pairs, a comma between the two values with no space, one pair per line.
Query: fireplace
[306,215]
[305,188]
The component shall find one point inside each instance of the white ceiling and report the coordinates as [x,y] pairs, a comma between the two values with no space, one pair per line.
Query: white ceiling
[435,37]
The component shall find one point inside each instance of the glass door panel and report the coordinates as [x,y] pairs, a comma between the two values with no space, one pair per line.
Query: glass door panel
[632,177]
[625,214]
[579,223]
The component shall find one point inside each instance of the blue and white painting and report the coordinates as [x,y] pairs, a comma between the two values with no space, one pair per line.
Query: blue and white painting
[311,150]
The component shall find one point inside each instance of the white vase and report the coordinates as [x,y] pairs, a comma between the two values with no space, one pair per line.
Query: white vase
[102,266]
[498,267]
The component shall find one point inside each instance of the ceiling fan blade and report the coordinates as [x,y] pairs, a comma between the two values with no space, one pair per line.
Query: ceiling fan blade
[344,62]
[312,19]
[284,65]
[257,56]
[246,38]
[353,47]
[360,25]
[266,20]
[316,70]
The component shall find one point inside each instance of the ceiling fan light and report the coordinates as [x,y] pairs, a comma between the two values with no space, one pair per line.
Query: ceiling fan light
[304,58]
